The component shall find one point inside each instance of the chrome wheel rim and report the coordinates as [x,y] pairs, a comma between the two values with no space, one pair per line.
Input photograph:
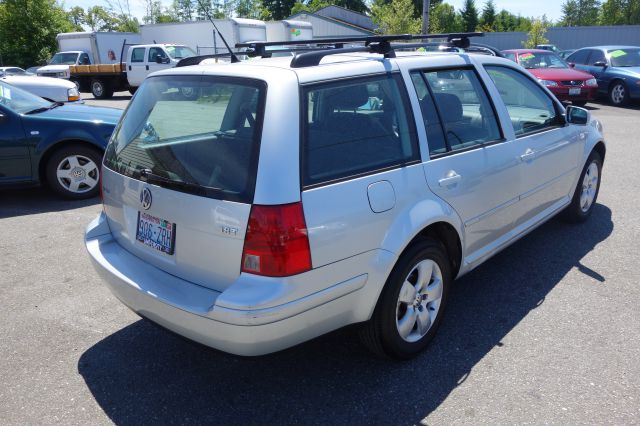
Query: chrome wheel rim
[97,89]
[419,301]
[617,93]
[78,174]
[589,187]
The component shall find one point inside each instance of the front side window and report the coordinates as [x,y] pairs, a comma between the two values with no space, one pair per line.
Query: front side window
[356,127]
[201,134]
[155,53]
[597,56]
[579,57]
[529,107]
[137,55]
[456,110]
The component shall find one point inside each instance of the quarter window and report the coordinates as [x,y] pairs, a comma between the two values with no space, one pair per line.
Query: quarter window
[529,107]
[355,127]
[137,55]
[455,109]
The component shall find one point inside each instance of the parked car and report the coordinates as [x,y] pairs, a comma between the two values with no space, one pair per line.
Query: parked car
[54,143]
[564,53]
[616,69]
[12,71]
[280,203]
[549,47]
[51,89]
[566,83]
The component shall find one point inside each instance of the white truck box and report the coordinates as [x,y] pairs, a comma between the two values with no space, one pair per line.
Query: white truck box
[288,30]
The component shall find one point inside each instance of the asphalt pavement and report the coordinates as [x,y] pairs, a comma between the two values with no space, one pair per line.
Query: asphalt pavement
[547,332]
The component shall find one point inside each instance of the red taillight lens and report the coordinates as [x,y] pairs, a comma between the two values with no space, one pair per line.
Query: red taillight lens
[276,243]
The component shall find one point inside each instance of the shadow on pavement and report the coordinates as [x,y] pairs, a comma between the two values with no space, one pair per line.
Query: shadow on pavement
[142,374]
[25,201]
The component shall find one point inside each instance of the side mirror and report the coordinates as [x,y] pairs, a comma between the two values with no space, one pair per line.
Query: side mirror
[162,60]
[577,115]
[571,64]
[600,64]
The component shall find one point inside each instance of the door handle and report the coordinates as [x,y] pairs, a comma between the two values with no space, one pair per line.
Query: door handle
[451,179]
[528,155]
[147,67]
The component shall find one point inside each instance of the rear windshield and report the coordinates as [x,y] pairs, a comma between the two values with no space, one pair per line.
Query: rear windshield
[195,134]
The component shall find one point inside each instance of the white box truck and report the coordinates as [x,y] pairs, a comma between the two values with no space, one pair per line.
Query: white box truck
[201,35]
[85,48]
[288,30]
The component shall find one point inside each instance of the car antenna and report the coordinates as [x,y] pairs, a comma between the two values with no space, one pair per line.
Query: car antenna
[234,58]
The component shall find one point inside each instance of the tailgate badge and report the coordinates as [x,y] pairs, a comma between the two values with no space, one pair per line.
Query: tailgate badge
[145,198]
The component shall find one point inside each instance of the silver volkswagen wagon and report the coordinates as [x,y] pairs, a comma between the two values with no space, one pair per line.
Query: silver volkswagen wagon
[285,198]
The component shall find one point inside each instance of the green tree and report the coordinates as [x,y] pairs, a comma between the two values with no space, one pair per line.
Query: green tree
[279,9]
[443,19]
[620,12]
[488,16]
[469,16]
[77,17]
[98,18]
[184,9]
[28,30]
[537,33]
[580,13]
[396,17]
[252,9]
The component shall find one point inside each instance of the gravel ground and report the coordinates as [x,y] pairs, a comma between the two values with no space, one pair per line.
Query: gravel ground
[547,332]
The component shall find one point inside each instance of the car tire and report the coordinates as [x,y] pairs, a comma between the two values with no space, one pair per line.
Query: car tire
[411,306]
[101,89]
[618,94]
[586,192]
[579,103]
[74,171]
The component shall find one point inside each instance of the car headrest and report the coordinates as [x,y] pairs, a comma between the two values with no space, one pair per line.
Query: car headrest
[349,97]
[450,107]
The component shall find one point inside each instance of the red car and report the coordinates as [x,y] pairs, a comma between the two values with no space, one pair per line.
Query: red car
[566,83]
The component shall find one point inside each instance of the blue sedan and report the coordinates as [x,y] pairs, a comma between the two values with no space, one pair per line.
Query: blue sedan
[616,68]
[60,144]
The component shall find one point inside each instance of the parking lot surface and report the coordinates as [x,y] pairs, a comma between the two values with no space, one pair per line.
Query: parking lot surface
[547,332]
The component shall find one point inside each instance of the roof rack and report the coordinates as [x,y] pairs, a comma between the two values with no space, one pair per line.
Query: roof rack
[380,44]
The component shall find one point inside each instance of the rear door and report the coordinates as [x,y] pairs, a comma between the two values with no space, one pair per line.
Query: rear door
[472,166]
[137,67]
[180,173]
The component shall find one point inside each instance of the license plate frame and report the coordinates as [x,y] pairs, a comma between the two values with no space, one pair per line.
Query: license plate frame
[153,236]
[574,91]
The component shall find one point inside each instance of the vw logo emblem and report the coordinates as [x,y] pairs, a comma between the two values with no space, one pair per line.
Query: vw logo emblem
[145,198]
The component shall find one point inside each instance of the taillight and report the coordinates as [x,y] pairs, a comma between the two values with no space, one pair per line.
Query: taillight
[276,243]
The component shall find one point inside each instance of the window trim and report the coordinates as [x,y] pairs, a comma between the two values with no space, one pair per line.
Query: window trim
[559,114]
[397,78]
[450,151]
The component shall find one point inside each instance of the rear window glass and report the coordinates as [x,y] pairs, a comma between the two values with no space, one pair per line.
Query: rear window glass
[355,127]
[197,134]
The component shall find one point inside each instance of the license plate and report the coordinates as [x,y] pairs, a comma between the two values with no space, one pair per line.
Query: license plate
[155,232]
[574,91]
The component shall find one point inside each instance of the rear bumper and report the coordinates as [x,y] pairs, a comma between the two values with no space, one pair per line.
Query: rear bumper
[195,312]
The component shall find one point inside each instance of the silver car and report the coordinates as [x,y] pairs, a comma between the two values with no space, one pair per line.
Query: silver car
[291,198]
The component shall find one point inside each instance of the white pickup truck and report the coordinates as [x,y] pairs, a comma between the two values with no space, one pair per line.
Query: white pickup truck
[141,60]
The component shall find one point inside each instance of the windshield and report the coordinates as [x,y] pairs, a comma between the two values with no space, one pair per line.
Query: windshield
[64,59]
[179,52]
[13,71]
[201,133]
[20,101]
[624,57]
[533,60]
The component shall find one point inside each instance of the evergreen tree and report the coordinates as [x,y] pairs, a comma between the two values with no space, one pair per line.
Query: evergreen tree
[279,9]
[469,15]
[580,12]
[396,17]
[488,17]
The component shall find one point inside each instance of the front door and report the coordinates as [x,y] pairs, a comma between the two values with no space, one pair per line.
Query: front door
[471,166]
[15,160]
[155,55]
[548,148]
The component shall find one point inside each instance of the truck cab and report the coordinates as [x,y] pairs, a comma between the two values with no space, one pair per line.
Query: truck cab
[59,64]
[144,59]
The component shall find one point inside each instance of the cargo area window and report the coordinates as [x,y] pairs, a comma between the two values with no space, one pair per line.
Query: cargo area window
[193,134]
[355,127]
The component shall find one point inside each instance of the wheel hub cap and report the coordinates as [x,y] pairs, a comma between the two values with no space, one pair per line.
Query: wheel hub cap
[77,174]
[589,187]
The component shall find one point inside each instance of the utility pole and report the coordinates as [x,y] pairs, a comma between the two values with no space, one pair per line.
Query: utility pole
[425,16]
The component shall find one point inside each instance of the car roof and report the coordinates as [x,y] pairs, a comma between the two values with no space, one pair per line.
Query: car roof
[337,65]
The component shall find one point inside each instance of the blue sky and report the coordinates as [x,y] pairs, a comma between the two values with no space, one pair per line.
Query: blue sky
[553,9]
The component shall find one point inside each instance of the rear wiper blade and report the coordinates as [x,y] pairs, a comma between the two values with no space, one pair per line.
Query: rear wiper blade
[148,176]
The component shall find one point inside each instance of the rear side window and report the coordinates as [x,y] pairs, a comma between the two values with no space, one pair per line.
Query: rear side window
[529,107]
[199,134]
[456,110]
[355,127]
[137,55]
